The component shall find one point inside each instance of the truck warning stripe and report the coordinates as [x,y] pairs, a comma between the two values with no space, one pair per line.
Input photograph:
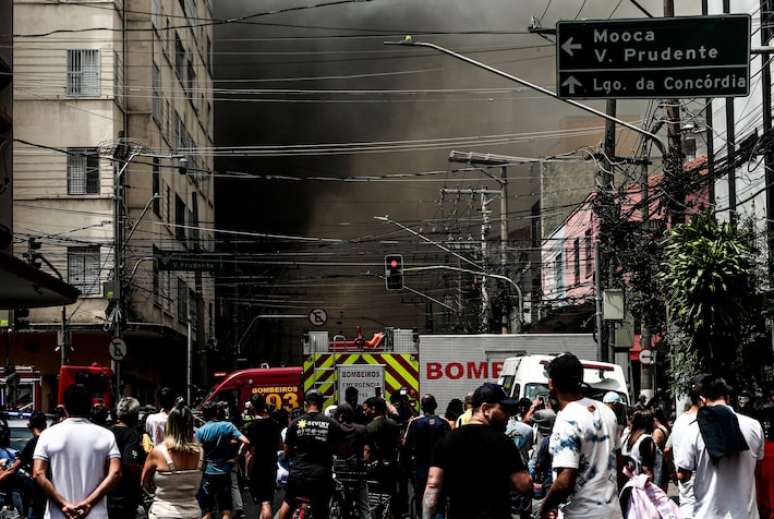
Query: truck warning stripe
[401,370]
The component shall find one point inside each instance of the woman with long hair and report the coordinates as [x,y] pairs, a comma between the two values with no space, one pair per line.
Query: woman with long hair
[174,468]
[641,498]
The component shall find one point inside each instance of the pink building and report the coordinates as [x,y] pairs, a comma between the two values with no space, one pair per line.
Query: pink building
[568,252]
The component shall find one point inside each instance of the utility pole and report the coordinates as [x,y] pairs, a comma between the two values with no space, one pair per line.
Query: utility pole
[598,300]
[709,136]
[731,134]
[485,200]
[607,213]
[768,159]
[189,359]
[486,160]
[484,233]
[646,370]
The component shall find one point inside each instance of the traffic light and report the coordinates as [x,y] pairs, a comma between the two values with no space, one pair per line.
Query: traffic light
[393,271]
[33,253]
[21,318]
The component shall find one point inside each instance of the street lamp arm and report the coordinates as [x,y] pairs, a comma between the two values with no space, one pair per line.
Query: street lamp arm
[155,196]
[408,42]
[475,273]
[428,240]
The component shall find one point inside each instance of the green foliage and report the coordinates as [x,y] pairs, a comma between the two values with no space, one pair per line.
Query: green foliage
[711,284]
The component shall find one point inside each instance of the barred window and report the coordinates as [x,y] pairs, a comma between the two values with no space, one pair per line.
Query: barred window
[156,81]
[118,78]
[83,269]
[180,219]
[190,82]
[156,187]
[156,279]
[82,171]
[180,61]
[83,72]
[559,271]
[182,301]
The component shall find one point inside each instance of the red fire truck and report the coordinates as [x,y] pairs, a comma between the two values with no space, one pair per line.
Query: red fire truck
[282,387]
[97,379]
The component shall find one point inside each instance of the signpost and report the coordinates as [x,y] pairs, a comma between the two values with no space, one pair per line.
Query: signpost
[318,317]
[363,377]
[689,56]
[117,349]
[647,357]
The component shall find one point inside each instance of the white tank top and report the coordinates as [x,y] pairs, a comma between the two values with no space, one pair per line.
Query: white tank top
[176,490]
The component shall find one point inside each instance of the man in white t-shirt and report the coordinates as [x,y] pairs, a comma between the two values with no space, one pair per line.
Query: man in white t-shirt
[156,423]
[82,459]
[583,444]
[675,441]
[719,452]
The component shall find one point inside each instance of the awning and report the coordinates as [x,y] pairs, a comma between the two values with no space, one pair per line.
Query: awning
[24,286]
[634,352]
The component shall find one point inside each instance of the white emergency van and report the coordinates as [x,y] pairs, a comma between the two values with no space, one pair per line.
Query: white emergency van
[525,376]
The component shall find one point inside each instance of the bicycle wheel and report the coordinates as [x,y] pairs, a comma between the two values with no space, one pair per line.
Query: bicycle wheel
[336,510]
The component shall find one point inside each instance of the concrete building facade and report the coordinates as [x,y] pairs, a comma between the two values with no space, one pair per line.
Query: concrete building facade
[88,78]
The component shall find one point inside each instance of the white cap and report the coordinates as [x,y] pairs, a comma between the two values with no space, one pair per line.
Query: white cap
[611,397]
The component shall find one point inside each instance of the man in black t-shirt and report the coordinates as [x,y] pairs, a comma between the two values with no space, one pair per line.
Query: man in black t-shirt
[422,436]
[265,441]
[309,444]
[477,465]
[34,495]
[123,500]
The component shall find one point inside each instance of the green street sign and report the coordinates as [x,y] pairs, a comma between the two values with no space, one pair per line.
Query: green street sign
[643,58]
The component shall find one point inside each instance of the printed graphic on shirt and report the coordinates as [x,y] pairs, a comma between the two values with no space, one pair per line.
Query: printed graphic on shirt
[313,429]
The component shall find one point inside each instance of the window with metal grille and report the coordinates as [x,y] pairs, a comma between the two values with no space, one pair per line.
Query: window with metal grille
[559,271]
[194,219]
[83,72]
[589,252]
[82,171]
[182,301]
[193,303]
[179,133]
[167,290]
[168,198]
[577,259]
[179,58]
[156,187]
[83,269]
[156,279]
[180,217]
[118,78]
[156,81]
[190,79]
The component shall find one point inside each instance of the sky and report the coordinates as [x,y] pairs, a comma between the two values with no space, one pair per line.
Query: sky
[322,78]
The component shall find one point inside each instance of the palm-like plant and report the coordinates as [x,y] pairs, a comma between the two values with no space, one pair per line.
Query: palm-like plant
[709,279]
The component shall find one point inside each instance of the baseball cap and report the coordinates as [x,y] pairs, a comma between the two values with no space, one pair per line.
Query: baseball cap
[544,419]
[490,393]
[314,397]
[611,397]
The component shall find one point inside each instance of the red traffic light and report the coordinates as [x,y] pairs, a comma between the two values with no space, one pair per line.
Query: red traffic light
[394,264]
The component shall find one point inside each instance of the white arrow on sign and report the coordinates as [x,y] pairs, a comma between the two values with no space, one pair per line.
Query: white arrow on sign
[569,47]
[571,83]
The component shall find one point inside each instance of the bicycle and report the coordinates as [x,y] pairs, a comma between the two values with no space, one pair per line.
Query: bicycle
[349,477]
[303,510]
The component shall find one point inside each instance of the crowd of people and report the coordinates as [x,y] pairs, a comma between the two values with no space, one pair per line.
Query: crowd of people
[488,456]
